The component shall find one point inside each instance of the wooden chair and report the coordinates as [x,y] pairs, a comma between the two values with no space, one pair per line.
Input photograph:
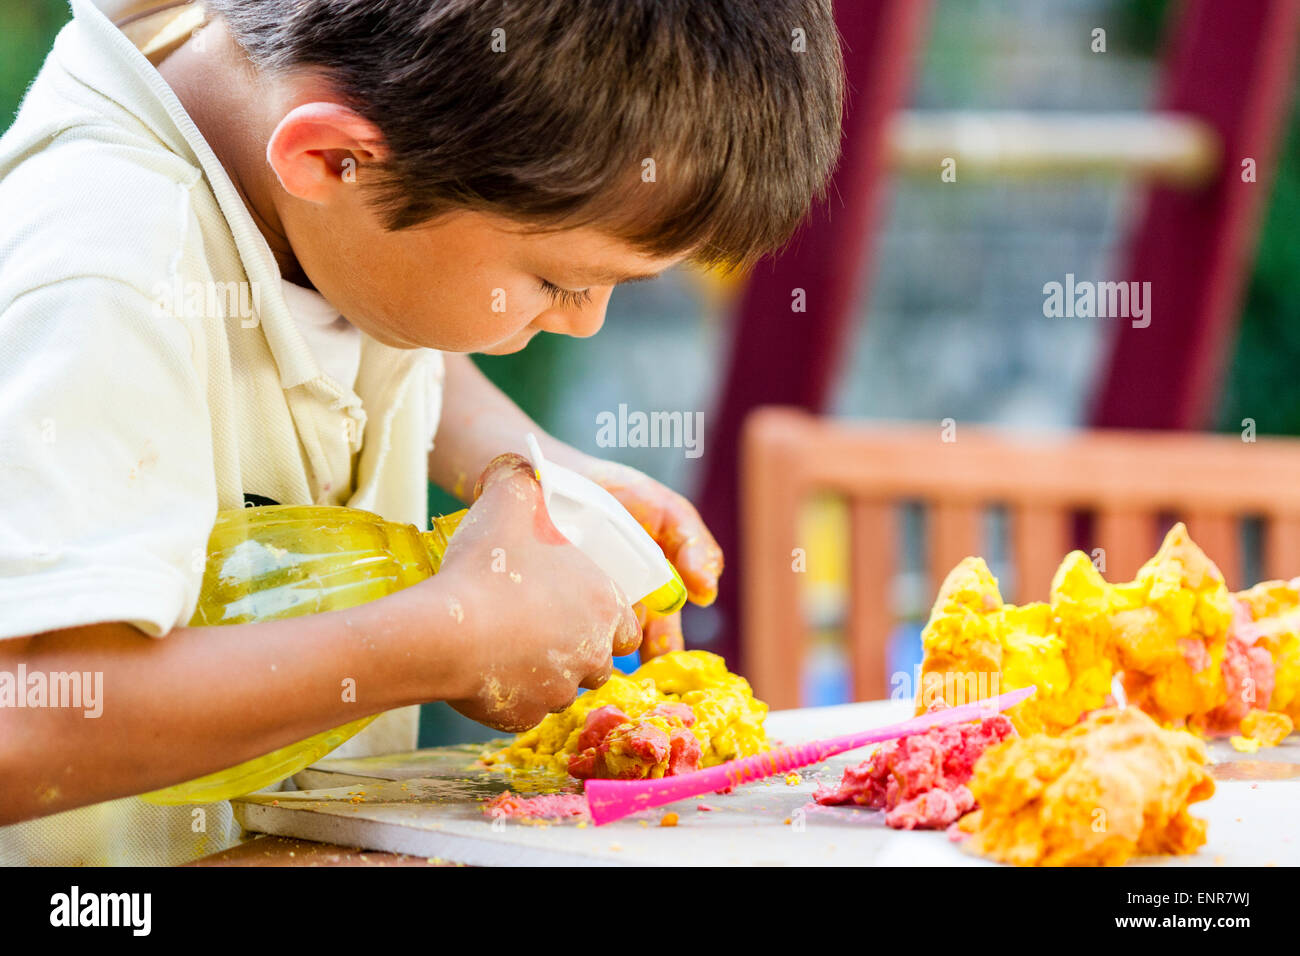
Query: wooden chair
[1132,483]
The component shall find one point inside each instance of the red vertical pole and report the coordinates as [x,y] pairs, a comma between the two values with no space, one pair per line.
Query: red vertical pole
[782,356]
[1232,64]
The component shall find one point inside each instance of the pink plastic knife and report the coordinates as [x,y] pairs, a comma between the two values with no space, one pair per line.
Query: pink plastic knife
[610,800]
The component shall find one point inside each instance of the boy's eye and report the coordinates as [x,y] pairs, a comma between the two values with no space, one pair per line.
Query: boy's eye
[572,298]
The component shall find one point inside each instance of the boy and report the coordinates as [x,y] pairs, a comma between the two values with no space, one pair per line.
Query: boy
[245,261]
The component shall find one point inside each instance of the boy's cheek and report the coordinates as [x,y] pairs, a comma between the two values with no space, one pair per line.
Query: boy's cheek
[453,312]
[505,326]
[453,321]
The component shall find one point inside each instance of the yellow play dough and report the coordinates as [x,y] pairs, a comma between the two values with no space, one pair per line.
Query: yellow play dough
[728,718]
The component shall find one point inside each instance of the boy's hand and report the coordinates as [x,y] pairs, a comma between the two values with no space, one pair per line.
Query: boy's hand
[659,635]
[542,619]
[675,524]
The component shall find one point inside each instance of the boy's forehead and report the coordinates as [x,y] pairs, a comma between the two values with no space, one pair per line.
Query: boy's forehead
[581,254]
[597,258]
[614,277]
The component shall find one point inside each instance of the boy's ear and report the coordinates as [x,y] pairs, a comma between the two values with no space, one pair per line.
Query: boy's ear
[317,146]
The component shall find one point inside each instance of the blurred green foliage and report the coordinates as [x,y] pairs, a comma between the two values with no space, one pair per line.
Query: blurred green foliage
[1263,375]
[1141,25]
[27,29]
[1263,380]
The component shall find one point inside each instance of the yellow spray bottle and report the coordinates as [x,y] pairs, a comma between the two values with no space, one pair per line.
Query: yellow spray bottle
[283,561]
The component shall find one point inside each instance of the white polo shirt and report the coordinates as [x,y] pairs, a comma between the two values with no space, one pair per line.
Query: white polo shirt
[151,373]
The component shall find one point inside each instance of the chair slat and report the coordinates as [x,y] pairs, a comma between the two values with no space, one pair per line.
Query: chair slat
[772,620]
[873,553]
[1219,536]
[954,533]
[1040,538]
[1282,548]
[1126,536]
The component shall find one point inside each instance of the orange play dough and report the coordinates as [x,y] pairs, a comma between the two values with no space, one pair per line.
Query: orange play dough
[1115,786]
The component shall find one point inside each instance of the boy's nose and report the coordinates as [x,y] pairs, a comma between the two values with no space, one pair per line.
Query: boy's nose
[580,322]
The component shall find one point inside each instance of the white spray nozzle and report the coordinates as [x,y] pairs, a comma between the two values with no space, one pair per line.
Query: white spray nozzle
[598,525]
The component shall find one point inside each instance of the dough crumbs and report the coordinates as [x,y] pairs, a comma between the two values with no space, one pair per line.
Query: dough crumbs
[669,820]
[920,780]
[792,779]
[1261,728]
[550,806]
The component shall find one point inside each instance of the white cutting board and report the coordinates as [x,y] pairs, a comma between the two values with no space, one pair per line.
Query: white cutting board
[427,803]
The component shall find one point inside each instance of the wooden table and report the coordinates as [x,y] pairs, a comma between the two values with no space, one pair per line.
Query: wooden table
[263,850]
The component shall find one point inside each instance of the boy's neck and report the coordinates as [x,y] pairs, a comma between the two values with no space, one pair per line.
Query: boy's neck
[234,114]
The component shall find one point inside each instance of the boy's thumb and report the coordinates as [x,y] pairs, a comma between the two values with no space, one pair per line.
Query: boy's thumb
[512,482]
[509,467]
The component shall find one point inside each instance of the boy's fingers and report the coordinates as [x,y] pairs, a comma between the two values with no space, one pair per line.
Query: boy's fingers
[627,636]
[691,548]
[700,565]
[661,635]
[675,524]
[598,680]
[556,709]
[680,531]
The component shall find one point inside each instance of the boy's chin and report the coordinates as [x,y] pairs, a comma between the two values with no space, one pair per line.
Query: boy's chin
[510,345]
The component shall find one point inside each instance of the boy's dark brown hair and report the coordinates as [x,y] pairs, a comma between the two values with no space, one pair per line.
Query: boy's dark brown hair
[737,102]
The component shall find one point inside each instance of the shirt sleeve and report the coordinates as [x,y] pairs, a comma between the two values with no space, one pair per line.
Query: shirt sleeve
[107,485]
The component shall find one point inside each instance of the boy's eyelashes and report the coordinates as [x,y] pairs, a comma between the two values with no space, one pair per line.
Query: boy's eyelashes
[571,298]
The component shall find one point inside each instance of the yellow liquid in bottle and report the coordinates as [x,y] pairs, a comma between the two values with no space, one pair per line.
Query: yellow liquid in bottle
[283,561]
